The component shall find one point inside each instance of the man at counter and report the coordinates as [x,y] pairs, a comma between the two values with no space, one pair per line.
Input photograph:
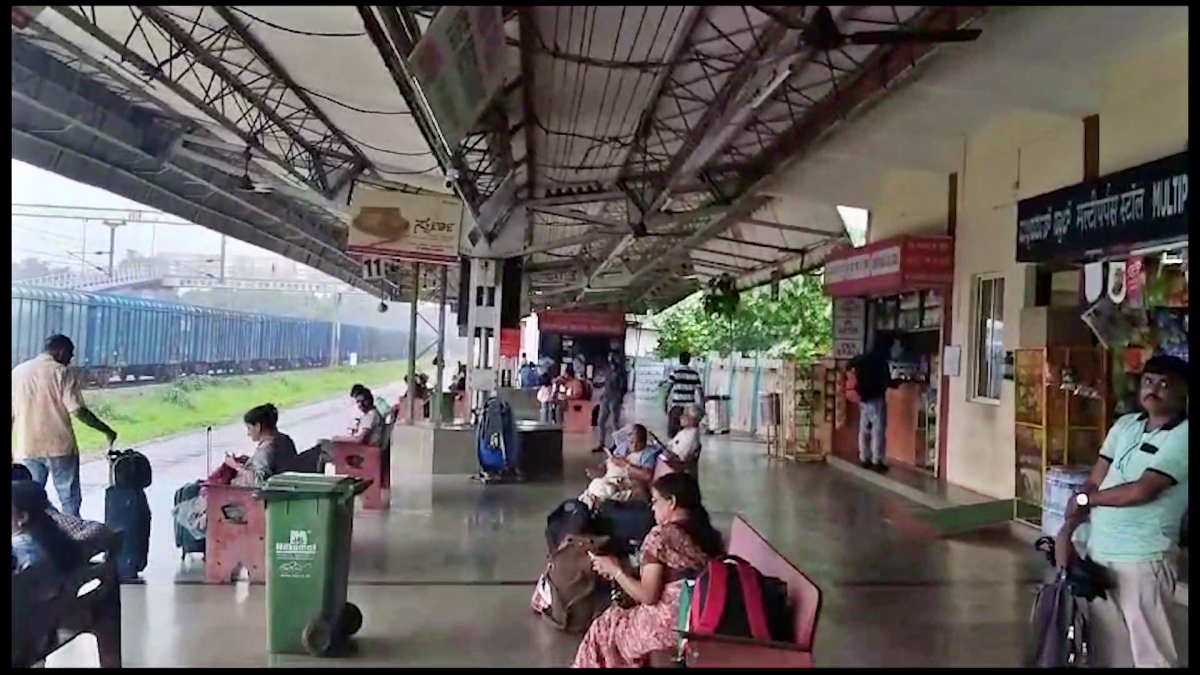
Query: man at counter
[1136,496]
[873,377]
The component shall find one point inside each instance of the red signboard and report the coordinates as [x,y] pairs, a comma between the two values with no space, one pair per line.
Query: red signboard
[611,324]
[898,265]
[510,343]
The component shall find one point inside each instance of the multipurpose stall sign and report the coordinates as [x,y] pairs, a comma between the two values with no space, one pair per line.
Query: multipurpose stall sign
[400,226]
[891,266]
[1142,205]
[459,63]
[611,324]
[849,327]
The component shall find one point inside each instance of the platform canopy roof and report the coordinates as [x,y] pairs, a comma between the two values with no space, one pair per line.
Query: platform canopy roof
[650,148]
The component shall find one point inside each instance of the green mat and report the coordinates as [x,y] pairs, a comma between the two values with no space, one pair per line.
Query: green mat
[957,519]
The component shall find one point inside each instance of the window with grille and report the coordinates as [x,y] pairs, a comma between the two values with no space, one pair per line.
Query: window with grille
[989,337]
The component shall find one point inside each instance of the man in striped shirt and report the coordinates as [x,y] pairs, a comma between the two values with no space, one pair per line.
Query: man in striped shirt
[685,388]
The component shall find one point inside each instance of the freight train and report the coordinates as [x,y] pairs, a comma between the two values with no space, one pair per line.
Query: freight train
[123,337]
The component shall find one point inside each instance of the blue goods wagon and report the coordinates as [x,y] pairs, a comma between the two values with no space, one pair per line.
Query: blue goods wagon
[122,337]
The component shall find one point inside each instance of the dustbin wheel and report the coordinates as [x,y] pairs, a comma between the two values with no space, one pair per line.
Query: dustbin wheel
[317,637]
[350,621]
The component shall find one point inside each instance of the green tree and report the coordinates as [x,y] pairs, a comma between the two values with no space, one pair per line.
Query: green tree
[798,323]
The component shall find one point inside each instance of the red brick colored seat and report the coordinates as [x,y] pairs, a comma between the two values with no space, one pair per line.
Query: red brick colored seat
[805,598]
[236,536]
[370,464]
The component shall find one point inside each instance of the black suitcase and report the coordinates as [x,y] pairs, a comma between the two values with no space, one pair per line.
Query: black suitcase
[127,511]
[184,540]
[571,517]
[626,524]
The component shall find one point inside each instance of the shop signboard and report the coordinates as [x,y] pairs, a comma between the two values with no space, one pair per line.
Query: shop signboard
[459,63]
[611,324]
[890,267]
[400,226]
[1142,205]
[849,327]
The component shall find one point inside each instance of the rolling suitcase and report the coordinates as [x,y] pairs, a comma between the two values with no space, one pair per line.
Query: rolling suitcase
[184,541]
[127,511]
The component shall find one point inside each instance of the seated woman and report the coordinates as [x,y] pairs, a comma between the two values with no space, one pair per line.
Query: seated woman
[275,453]
[36,538]
[626,474]
[369,428]
[681,544]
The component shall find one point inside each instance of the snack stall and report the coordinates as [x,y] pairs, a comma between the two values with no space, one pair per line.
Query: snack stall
[895,287]
[1120,242]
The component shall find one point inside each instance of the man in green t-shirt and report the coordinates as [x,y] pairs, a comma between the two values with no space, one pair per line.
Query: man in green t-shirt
[1134,501]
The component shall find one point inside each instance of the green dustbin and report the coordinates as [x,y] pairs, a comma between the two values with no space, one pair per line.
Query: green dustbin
[310,518]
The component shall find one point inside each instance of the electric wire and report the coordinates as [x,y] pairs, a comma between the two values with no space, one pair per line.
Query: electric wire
[295,31]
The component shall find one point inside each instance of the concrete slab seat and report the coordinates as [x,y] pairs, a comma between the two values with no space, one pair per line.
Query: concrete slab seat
[706,651]
[577,416]
[50,609]
[370,464]
[236,536]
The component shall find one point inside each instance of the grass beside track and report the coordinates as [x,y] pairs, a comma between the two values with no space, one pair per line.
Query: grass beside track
[196,402]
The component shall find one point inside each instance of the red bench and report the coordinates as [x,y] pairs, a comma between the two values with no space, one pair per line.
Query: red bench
[804,595]
[236,536]
[370,464]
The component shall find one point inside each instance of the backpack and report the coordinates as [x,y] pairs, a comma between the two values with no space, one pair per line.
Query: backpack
[496,438]
[733,599]
[569,594]
[571,517]
[129,469]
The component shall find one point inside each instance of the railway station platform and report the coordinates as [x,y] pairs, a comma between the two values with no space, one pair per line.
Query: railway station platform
[445,576]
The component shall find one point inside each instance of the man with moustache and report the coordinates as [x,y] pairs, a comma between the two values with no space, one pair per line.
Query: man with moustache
[1135,499]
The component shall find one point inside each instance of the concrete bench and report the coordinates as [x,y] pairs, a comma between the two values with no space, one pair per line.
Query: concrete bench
[704,651]
[49,610]
[577,416]
[236,535]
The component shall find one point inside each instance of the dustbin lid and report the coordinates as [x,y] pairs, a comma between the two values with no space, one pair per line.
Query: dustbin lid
[308,484]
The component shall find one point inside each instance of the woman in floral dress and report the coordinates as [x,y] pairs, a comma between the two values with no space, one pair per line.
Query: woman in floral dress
[680,544]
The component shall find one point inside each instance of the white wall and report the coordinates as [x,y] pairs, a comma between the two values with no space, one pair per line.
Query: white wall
[1016,155]
[1143,117]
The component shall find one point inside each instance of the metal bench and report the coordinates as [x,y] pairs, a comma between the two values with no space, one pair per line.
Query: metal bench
[49,609]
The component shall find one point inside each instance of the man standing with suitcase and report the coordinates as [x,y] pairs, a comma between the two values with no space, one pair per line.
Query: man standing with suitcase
[45,394]
[1135,499]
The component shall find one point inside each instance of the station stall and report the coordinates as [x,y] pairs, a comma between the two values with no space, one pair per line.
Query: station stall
[1111,290]
[898,288]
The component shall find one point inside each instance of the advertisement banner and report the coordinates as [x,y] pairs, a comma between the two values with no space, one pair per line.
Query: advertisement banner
[582,323]
[1139,206]
[459,62]
[399,226]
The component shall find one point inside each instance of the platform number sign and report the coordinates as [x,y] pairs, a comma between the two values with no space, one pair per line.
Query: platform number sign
[375,268]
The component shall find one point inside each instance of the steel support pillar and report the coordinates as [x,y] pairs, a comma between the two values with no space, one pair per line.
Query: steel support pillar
[438,386]
[412,345]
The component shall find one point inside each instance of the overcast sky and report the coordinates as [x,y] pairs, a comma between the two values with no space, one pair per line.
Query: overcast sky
[61,242]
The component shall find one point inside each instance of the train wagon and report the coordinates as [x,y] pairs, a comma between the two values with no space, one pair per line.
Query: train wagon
[122,337]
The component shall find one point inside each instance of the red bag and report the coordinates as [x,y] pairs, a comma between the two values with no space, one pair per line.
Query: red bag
[739,602]
[223,475]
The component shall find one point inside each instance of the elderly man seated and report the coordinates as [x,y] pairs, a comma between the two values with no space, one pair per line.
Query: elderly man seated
[683,452]
[627,472]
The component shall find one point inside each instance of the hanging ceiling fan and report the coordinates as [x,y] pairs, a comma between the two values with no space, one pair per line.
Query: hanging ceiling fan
[821,32]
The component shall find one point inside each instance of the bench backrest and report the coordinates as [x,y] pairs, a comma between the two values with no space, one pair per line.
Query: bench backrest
[661,468]
[804,595]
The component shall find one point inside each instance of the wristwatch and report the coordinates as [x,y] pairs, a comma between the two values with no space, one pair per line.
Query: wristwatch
[1083,500]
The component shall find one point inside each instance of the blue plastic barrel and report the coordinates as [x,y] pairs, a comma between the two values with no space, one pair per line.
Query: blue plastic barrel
[1061,483]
